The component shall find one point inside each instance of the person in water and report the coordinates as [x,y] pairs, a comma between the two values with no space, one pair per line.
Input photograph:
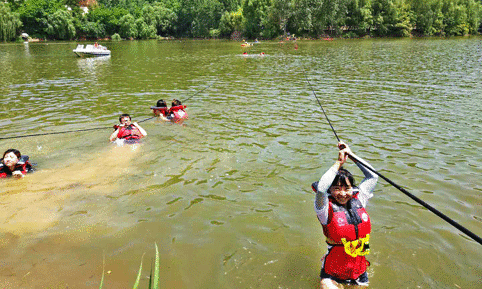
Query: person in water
[13,164]
[127,130]
[161,109]
[177,112]
[340,208]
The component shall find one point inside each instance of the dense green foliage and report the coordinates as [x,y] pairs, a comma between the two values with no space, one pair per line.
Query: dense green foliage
[144,19]
[9,23]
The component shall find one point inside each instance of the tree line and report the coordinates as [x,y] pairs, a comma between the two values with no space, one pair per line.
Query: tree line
[264,19]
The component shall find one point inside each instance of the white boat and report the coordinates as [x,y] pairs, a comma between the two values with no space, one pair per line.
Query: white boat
[92,50]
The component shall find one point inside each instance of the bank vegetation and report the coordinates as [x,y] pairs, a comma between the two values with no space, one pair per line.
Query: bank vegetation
[263,19]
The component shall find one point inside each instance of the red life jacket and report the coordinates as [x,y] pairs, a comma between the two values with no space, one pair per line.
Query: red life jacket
[348,231]
[159,110]
[129,132]
[178,113]
[23,165]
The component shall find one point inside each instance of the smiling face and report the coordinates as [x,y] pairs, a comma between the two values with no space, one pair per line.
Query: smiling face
[125,120]
[10,160]
[342,193]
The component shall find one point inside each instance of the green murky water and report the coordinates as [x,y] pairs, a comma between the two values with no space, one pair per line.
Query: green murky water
[227,197]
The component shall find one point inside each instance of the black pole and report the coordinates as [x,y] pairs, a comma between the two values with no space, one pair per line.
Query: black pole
[322,109]
[424,204]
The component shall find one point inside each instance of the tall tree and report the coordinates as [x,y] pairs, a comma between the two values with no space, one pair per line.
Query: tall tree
[34,14]
[109,17]
[305,16]
[455,18]
[15,4]
[9,22]
[128,26]
[278,16]
[359,16]
[333,15]
[231,22]
[60,25]
[255,12]
[160,17]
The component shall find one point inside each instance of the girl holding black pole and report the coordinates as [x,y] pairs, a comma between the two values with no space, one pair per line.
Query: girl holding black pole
[340,208]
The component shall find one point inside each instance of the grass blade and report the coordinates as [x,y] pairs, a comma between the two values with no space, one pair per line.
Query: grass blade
[103,269]
[156,270]
[150,278]
[138,279]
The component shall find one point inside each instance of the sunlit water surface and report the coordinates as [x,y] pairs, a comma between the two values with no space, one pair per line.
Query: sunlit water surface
[227,196]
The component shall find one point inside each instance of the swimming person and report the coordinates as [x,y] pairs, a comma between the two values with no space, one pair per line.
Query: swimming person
[177,112]
[161,109]
[340,208]
[127,131]
[13,164]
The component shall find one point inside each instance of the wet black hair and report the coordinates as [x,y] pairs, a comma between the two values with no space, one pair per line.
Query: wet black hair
[14,151]
[176,102]
[124,115]
[341,178]
[161,103]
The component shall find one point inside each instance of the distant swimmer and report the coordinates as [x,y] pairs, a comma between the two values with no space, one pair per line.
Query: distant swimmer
[126,131]
[245,44]
[177,112]
[13,164]
[161,109]
[340,208]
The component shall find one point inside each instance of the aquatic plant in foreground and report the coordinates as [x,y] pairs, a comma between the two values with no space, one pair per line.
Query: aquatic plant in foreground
[153,277]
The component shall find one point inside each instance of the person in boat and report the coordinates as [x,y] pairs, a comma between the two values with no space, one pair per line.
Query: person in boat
[161,109]
[340,208]
[177,112]
[13,164]
[127,130]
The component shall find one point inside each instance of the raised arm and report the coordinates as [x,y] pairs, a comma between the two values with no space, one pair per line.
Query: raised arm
[141,130]
[321,199]
[367,185]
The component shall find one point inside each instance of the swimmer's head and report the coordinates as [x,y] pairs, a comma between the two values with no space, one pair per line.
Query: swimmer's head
[176,102]
[125,119]
[11,157]
[161,103]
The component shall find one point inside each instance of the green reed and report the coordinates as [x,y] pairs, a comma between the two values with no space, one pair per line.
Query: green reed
[153,278]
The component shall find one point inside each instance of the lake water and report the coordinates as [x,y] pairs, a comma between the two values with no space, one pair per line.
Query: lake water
[227,196]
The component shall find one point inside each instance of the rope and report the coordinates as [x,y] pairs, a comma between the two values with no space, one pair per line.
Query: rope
[95,128]
[199,92]
[49,133]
